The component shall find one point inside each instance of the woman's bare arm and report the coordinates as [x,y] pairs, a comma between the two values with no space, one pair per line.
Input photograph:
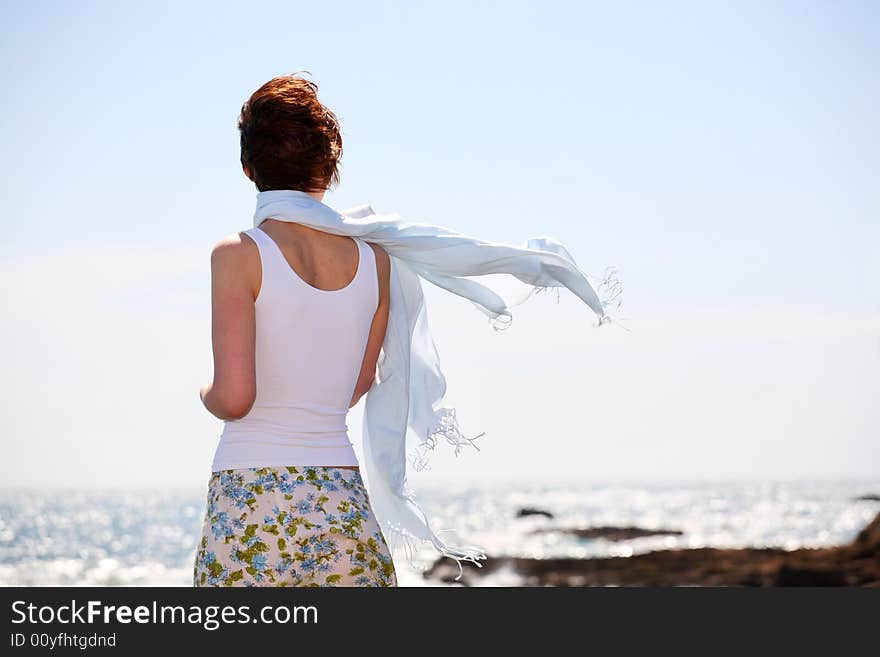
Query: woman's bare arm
[234,270]
[377,328]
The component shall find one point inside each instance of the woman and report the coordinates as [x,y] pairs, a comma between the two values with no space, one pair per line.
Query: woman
[306,316]
[298,319]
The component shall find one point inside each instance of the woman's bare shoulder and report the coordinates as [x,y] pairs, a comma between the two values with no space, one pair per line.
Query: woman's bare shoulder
[236,258]
[233,246]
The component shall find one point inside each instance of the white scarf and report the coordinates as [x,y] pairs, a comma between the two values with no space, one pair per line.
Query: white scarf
[407,399]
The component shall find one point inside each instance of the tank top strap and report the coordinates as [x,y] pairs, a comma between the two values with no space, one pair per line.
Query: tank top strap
[363,253]
[260,238]
[274,266]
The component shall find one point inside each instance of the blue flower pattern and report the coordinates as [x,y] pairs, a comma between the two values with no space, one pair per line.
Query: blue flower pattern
[291,526]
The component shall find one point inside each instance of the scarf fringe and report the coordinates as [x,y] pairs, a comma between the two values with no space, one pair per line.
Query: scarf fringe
[447,428]
[399,539]
[608,288]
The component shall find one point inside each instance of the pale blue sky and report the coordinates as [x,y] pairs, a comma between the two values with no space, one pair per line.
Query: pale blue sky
[724,156]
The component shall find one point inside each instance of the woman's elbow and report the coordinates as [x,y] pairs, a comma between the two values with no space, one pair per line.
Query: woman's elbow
[234,405]
[236,409]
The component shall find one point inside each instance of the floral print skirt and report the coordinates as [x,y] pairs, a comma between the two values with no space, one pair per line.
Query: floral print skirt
[291,526]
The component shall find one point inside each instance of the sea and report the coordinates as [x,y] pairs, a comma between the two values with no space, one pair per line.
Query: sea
[147,537]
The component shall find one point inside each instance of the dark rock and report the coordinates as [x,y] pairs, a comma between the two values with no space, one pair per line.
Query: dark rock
[529,511]
[854,564]
[794,576]
[867,543]
[609,533]
[870,497]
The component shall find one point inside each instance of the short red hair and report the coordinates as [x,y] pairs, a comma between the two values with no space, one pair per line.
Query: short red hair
[289,140]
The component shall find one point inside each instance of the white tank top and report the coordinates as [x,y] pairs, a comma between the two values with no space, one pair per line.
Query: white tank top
[310,346]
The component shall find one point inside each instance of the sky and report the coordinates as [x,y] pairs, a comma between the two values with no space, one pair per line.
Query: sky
[724,157]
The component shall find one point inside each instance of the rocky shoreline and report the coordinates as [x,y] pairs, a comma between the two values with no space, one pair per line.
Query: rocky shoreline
[853,564]
[608,533]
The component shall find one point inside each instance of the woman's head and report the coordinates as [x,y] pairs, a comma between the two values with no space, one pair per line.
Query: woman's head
[289,140]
